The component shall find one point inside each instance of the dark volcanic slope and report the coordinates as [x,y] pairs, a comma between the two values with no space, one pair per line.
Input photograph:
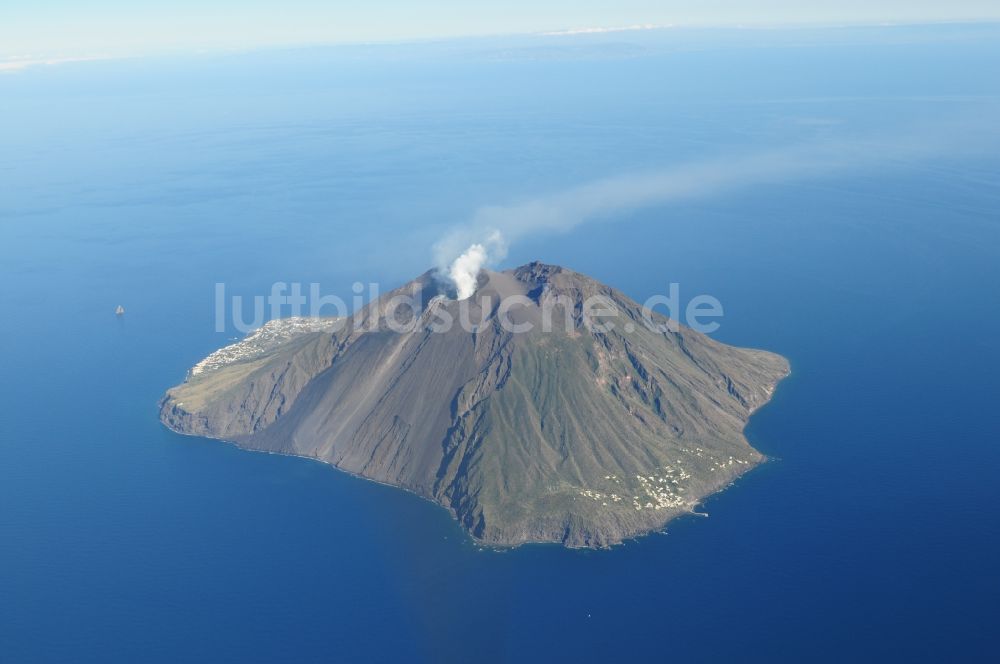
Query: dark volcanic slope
[573,435]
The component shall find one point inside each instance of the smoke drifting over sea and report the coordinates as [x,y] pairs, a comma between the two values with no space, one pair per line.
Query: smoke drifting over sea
[483,241]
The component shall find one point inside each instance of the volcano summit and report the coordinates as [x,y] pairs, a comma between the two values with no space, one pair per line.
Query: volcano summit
[571,433]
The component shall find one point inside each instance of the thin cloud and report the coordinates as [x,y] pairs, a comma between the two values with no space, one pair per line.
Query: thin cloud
[597,31]
[21,63]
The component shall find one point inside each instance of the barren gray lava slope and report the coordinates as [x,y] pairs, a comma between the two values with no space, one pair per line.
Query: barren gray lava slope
[573,435]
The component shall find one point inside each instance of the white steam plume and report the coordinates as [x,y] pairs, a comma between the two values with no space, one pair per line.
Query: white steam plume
[464,270]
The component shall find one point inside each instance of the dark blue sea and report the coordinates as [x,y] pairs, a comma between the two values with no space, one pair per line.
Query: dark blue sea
[872,534]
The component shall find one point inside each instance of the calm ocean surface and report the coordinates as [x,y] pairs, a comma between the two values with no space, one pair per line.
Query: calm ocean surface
[874,533]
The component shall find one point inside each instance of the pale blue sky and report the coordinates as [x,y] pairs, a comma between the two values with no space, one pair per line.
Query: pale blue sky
[60,28]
